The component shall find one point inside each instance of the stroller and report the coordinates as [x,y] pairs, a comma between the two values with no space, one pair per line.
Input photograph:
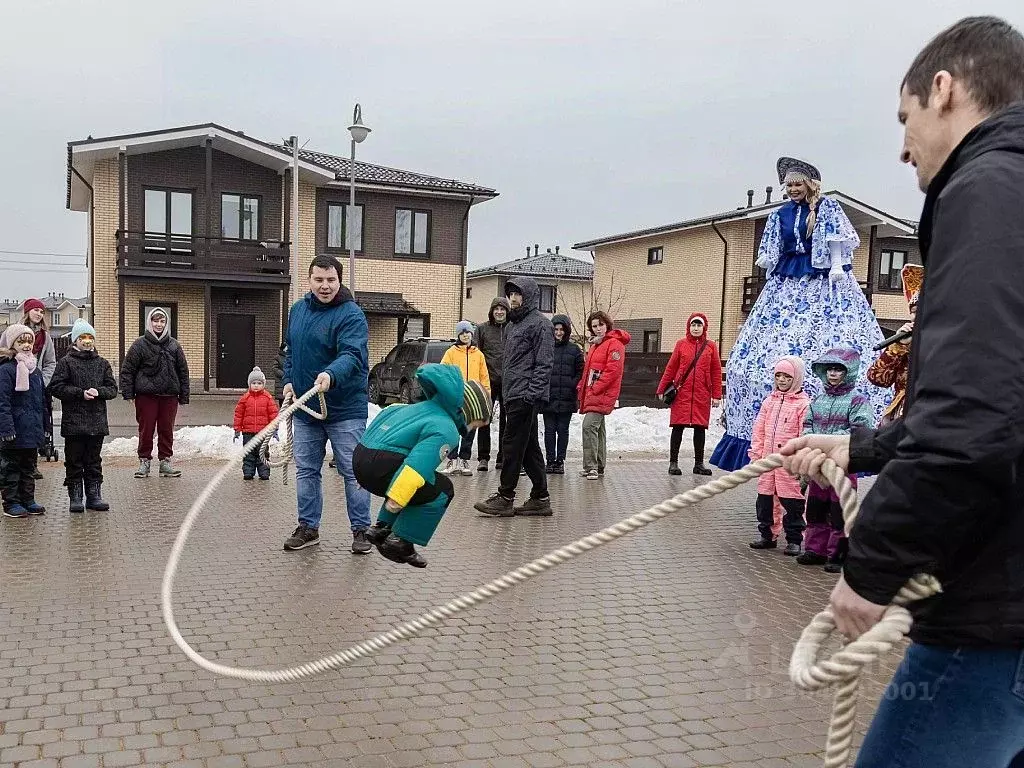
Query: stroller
[48,450]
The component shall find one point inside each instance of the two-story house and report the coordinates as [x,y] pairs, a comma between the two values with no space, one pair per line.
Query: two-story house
[566,284]
[61,312]
[707,265]
[199,220]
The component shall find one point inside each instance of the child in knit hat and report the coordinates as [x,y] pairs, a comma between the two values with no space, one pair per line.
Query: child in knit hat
[21,421]
[255,409]
[397,457]
[83,382]
[473,367]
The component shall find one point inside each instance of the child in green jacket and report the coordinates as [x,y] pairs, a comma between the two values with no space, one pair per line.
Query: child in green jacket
[398,455]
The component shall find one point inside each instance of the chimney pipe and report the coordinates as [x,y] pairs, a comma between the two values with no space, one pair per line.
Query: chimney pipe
[536,250]
[556,249]
[527,251]
[767,195]
[750,198]
[549,251]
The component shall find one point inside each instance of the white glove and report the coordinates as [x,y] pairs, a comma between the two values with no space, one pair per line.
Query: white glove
[836,274]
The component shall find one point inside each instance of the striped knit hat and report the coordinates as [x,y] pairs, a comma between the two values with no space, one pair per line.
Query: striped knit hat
[476,403]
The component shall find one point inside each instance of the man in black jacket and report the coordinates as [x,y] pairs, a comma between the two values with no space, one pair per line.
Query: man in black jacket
[949,498]
[525,381]
[490,338]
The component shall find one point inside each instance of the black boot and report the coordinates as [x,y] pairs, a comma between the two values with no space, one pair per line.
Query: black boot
[700,469]
[673,468]
[93,500]
[401,551]
[377,534]
[836,562]
[75,496]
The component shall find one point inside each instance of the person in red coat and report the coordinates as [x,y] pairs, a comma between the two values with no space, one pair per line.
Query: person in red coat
[699,387]
[599,389]
[255,409]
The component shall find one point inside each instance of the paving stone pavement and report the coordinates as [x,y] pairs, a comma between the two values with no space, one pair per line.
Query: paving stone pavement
[665,649]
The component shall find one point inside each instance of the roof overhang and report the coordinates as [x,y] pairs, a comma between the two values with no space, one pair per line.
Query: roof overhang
[473,198]
[485,272]
[83,155]
[860,215]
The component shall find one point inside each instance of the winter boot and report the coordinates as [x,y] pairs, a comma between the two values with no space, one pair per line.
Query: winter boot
[376,534]
[700,469]
[401,551]
[168,470]
[673,468]
[75,497]
[764,544]
[558,468]
[93,500]
[143,470]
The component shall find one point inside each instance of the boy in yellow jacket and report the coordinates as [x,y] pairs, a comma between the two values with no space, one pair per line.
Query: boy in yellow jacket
[471,363]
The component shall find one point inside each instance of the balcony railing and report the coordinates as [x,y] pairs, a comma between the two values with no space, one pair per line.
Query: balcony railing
[753,285]
[200,254]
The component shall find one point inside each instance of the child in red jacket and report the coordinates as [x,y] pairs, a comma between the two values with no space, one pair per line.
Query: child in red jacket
[255,409]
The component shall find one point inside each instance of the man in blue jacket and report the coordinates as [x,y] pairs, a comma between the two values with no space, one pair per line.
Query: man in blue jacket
[327,347]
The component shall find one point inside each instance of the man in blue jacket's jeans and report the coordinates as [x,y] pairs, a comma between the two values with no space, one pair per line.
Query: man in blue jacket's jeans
[327,348]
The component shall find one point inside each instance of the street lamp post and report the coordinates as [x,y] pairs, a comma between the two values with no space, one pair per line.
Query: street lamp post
[359,133]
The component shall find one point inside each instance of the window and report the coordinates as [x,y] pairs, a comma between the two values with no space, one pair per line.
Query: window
[548,295]
[889,277]
[469,292]
[343,226]
[412,232]
[54,319]
[239,217]
[168,216]
[435,352]
[171,307]
[411,353]
[415,328]
[652,341]
[655,255]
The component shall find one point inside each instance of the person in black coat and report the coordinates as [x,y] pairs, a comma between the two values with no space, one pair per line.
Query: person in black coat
[83,382]
[155,375]
[949,497]
[566,370]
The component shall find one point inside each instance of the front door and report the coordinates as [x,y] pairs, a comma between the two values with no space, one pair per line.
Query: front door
[236,353]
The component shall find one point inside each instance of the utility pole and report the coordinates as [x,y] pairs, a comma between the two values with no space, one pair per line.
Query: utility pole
[294,141]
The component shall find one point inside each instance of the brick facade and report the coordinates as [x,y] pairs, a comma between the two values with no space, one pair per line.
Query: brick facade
[265,306]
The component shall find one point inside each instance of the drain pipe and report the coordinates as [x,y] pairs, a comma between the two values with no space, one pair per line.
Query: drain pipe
[465,259]
[725,270]
[92,231]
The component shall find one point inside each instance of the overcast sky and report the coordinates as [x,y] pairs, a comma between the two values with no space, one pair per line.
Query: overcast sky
[590,117]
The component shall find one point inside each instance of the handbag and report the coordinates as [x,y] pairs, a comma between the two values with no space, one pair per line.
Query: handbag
[672,390]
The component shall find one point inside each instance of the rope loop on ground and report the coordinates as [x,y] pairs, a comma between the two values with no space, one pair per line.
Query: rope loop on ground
[806,670]
[285,417]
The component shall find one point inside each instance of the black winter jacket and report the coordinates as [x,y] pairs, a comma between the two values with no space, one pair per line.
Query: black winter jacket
[76,372]
[490,338]
[949,499]
[529,347]
[566,370]
[155,367]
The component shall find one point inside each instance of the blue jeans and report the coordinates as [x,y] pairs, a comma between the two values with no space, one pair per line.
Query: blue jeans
[950,707]
[309,446]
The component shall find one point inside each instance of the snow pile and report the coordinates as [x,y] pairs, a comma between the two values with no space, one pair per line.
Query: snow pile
[630,430]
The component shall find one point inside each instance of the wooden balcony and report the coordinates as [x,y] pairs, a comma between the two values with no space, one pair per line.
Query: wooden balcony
[197,257]
[753,285]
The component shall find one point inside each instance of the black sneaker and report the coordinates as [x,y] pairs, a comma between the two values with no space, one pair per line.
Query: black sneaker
[302,537]
[496,505]
[764,544]
[811,558]
[360,544]
[401,551]
[535,508]
[831,567]
[700,469]
[482,466]
[558,468]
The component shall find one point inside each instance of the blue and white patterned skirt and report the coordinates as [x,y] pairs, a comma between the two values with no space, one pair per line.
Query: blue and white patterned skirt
[793,316]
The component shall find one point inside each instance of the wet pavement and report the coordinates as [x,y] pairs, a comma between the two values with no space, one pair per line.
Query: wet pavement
[667,648]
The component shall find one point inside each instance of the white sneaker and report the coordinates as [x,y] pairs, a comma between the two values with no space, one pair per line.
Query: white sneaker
[592,475]
[464,468]
[450,467]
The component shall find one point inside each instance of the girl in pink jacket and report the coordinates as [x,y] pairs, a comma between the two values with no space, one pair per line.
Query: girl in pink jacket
[780,419]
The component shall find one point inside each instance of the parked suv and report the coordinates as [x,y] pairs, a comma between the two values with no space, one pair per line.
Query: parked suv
[393,378]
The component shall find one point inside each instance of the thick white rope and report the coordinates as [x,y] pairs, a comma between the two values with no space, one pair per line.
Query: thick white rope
[809,673]
[285,417]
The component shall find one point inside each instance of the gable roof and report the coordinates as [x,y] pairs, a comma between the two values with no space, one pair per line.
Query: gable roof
[854,208]
[541,265]
[318,168]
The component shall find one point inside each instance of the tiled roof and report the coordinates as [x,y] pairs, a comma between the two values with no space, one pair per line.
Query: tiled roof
[379,174]
[390,304]
[541,265]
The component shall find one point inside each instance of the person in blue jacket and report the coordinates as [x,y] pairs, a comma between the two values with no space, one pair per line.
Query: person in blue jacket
[21,421]
[327,348]
[398,456]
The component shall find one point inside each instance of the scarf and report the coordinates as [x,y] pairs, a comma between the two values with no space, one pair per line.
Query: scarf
[40,342]
[26,362]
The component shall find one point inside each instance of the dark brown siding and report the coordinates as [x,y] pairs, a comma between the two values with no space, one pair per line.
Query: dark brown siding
[265,306]
[379,224]
[908,244]
[186,169]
